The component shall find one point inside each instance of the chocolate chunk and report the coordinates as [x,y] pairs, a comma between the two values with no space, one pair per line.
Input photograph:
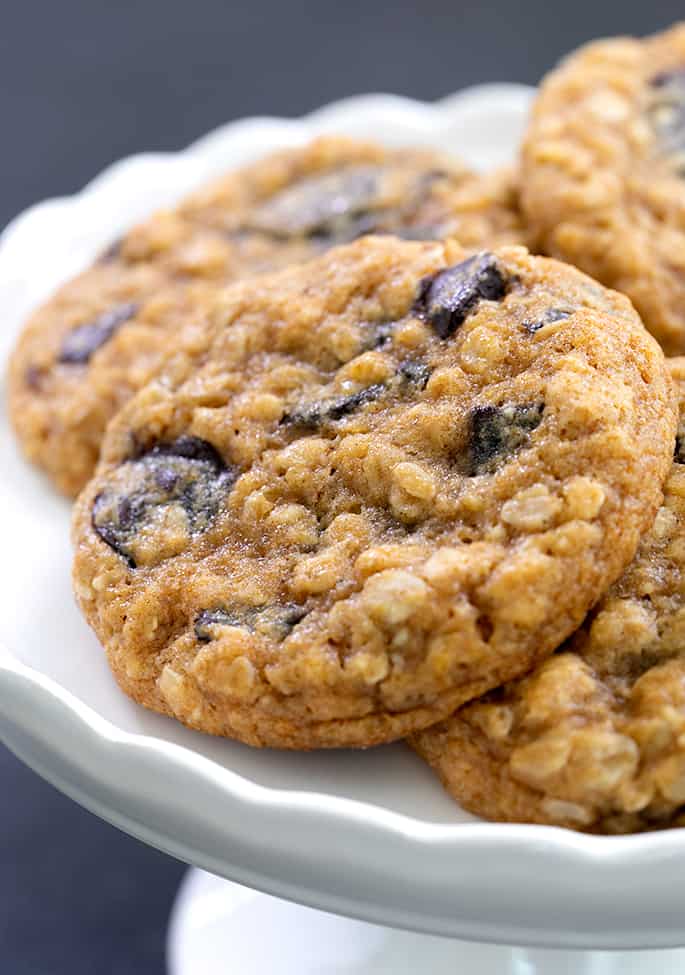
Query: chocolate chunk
[129,512]
[209,618]
[110,531]
[551,315]
[496,432]
[334,206]
[448,297]
[345,405]
[33,377]
[311,416]
[666,113]
[275,622]
[80,344]
[192,448]
[187,474]
[425,232]
[318,414]
[166,478]
[377,335]
[284,618]
[679,452]
[112,252]
[665,79]
[415,372]
[411,375]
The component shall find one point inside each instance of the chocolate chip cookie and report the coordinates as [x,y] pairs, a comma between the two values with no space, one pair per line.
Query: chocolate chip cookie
[594,738]
[376,486]
[104,334]
[604,172]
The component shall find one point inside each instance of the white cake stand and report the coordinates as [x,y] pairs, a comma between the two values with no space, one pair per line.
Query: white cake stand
[367,835]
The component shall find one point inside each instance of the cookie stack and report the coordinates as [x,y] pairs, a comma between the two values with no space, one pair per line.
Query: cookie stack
[364,453]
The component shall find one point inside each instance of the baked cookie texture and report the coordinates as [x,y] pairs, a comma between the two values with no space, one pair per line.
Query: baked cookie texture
[594,738]
[603,172]
[105,334]
[376,486]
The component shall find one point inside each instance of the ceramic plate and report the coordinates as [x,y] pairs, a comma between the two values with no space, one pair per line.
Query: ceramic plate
[371,833]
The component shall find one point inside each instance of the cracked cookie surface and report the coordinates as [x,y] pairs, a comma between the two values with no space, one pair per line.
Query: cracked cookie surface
[594,738]
[105,333]
[604,172]
[369,491]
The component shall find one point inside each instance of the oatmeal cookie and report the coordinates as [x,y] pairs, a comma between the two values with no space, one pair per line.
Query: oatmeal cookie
[104,334]
[604,172]
[379,485]
[594,738]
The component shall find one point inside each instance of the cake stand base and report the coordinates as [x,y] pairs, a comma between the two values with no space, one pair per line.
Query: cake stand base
[218,927]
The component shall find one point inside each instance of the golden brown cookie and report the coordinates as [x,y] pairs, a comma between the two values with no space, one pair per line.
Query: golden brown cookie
[604,172]
[594,738]
[380,484]
[104,334]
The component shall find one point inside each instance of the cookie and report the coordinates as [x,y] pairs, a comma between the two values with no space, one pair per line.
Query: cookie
[105,334]
[380,484]
[604,172]
[594,738]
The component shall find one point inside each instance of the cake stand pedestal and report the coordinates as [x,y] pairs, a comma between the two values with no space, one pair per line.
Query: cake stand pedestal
[219,927]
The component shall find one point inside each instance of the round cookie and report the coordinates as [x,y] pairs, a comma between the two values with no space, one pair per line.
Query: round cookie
[594,738]
[603,172]
[105,334]
[378,485]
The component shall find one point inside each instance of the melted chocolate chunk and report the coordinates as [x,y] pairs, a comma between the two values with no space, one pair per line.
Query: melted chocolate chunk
[666,114]
[209,618]
[188,475]
[679,452]
[335,206]
[192,448]
[666,79]
[447,298]
[426,232]
[551,315]
[496,432]
[112,252]
[80,344]
[416,372]
[166,478]
[411,375]
[377,335]
[313,415]
[33,377]
[275,622]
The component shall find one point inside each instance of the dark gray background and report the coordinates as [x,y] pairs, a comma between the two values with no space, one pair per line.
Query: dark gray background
[84,82]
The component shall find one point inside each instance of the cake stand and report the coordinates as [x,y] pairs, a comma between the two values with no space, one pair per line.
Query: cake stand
[364,864]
